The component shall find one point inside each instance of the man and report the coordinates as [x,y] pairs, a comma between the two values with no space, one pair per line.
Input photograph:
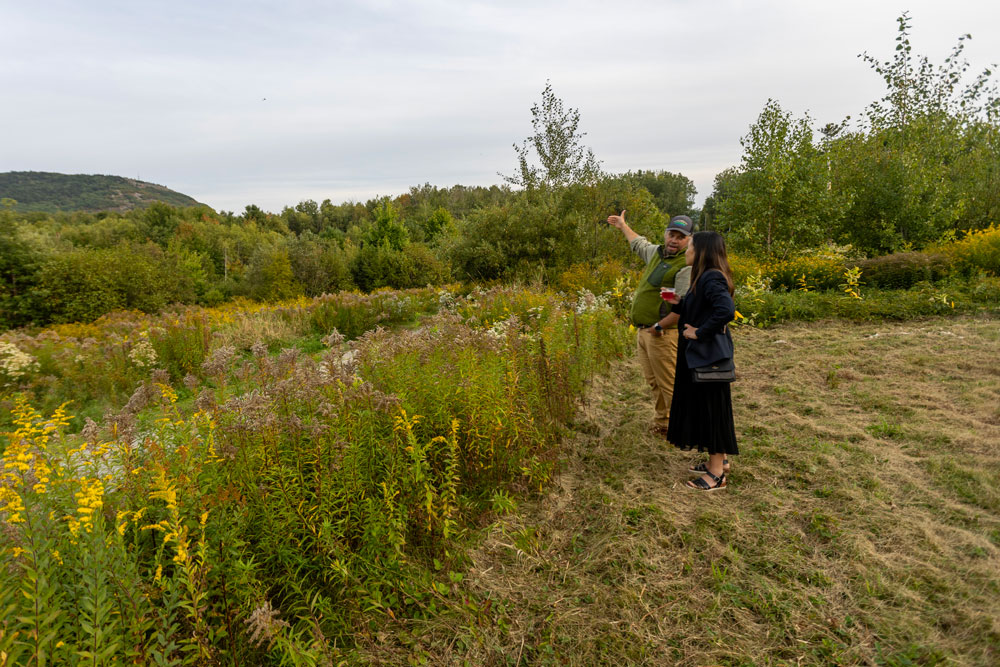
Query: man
[656,340]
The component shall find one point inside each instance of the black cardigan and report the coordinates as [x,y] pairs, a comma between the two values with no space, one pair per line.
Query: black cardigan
[709,308]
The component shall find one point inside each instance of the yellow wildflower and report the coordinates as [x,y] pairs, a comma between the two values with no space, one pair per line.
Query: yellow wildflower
[121,521]
[89,498]
[162,525]
[164,491]
[13,505]
[167,392]
[182,552]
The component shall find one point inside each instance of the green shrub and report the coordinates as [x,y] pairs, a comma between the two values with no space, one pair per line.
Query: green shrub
[353,314]
[903,270]
[375,267]
[424,267]
[82,285]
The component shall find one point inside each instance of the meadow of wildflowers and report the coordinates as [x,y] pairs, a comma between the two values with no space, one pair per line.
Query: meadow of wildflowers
[97,365]
[262,501]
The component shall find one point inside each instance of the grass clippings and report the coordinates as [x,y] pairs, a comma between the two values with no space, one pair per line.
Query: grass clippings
[861,526]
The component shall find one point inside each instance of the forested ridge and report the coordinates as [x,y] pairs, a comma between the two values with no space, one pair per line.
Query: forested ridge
[50,192]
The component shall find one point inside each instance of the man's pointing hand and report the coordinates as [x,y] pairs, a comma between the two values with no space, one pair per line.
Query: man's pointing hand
[617,220]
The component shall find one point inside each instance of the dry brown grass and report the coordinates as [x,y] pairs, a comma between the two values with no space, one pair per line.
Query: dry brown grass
[246,329]
[862,525]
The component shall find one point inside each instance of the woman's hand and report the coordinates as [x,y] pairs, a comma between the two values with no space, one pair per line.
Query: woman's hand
[690,332]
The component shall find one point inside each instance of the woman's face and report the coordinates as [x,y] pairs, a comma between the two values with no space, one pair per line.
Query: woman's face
[689,254]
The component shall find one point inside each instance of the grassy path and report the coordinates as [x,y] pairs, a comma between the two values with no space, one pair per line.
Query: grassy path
[862,525]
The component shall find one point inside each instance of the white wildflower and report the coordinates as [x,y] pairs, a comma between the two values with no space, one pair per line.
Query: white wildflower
[14,363]
[587,302]
[504,328]
[142,354]
[447,301]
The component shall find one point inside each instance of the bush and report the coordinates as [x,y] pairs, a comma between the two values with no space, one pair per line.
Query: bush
[354,314]
[82,285]
[425,267]
[270,276]
[978,251]
[903,270]
[376,267]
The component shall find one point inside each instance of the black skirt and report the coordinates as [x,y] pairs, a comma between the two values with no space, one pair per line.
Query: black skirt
[701,413]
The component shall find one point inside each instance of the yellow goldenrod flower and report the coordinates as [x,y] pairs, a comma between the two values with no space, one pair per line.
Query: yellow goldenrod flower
[182,553]
[164,491]
[13,505]
[161,525]
[167,392]
[89,498]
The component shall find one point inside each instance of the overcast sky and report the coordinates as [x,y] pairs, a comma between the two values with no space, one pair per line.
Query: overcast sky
[271,103]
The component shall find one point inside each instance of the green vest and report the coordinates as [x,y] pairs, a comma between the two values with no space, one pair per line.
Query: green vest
[660,272]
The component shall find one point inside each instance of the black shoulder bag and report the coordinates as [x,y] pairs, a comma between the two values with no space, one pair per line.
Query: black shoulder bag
[723,370]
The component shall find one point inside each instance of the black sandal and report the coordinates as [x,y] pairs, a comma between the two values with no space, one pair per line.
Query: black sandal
[701,485]
[702,468]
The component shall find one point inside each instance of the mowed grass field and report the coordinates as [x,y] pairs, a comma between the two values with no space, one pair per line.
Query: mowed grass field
[861,526]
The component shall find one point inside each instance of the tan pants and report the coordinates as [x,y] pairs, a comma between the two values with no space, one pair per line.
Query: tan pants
[658,358]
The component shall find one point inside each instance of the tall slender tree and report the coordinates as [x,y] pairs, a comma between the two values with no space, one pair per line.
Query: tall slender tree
[561,159]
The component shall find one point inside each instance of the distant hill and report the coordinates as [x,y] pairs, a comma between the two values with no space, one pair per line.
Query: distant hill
[49,192]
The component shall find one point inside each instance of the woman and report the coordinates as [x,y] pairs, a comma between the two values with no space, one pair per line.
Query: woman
[701,413]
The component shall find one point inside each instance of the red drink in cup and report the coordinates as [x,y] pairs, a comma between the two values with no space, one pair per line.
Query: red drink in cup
[667,293]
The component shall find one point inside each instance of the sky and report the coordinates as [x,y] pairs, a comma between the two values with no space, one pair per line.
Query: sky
[272,103]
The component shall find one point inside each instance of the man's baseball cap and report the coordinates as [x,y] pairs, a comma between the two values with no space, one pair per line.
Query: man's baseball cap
[681,223]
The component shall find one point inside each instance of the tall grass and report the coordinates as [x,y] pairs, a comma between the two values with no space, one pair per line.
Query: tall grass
[98,365]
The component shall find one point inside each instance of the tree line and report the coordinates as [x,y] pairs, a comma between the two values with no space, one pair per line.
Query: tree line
[921,165]
[68,267]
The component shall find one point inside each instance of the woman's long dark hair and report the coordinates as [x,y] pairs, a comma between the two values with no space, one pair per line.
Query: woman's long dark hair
[710,253]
